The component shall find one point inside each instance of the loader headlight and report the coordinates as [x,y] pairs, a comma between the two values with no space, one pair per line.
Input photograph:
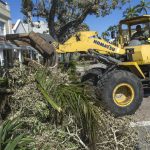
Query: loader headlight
[130,50]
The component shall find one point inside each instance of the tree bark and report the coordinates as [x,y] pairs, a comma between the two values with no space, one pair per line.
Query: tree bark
[51,19]
[75,23]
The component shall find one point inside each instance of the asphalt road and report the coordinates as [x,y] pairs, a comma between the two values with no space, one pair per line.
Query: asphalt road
[143,113]
[142,124]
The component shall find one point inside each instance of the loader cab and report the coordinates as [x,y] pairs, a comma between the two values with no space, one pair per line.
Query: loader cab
[137,48]
[128,28]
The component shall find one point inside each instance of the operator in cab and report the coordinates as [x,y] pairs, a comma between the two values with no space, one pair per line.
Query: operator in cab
[139,37]
[139,33]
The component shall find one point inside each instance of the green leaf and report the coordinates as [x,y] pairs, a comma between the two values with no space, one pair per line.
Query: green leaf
[14,143]
[25,141]
[46,96]
[1,132]
[9,126]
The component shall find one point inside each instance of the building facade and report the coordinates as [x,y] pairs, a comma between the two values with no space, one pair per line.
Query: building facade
[5,24]
[5,28]
[37,27]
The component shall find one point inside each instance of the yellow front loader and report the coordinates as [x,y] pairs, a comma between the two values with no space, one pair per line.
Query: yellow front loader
[125,80]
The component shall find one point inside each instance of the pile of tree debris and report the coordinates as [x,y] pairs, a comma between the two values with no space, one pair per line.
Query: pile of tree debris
[59,114]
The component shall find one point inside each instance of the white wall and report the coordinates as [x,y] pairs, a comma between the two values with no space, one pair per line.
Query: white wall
[2,28]
[39,27]
[20,29]
[1,58]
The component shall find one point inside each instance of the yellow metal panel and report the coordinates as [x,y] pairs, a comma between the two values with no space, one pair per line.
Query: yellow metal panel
[141,54]
[134,67]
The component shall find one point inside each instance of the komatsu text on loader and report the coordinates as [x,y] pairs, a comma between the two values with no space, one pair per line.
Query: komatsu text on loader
[125,80]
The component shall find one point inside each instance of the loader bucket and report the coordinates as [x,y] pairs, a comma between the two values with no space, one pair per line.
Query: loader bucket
[42,43]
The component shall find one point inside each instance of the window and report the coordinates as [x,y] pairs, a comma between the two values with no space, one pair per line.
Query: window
[125,33]
[145,28]
[1,28]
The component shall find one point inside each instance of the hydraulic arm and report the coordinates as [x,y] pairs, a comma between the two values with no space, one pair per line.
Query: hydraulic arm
[89,40]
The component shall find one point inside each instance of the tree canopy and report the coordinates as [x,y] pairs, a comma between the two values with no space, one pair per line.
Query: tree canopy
[111,29]
[27,6]
[141,8]
[130,12]
[65,16]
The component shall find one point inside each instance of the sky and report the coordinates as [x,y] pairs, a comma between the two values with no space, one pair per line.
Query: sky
[99,24]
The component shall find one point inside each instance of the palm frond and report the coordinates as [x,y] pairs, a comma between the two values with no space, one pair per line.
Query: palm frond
[47,97]
[9,138]
[73,99]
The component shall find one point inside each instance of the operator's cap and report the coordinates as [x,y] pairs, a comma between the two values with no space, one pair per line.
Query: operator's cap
[138,27]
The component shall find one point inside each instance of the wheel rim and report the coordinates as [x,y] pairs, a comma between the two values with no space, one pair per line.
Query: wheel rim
[123,94]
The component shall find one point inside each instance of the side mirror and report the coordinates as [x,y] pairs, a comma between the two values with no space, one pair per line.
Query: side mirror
[113,35]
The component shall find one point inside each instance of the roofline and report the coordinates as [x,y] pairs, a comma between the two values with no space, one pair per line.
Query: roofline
[17,24]
[134,18]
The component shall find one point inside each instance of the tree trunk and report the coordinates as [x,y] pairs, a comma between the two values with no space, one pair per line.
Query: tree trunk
[51,18]
[75,23]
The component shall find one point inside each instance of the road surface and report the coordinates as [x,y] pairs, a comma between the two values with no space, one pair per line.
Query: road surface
[143,113]
[142,124]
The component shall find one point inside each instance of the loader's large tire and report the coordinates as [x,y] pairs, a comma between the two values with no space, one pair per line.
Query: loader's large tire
[121,92]
[92,76]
